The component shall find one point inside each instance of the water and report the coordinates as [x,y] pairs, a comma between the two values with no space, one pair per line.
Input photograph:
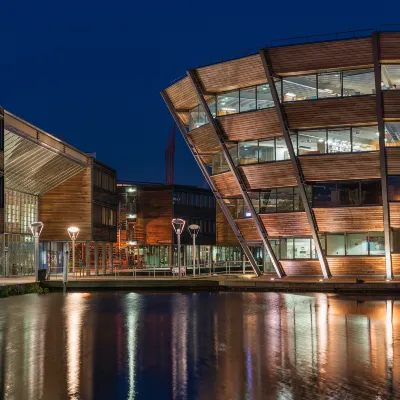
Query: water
[198,346]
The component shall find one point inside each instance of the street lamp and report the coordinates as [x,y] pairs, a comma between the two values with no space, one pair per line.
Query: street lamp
[194,231]
[178,224]
[36,229]
[73,232]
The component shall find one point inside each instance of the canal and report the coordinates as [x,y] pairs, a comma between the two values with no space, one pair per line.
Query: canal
[123,345]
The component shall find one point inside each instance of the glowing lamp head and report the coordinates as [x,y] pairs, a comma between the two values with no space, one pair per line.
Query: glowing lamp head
[178,224]
[73,232]
[36,228]
[194,230]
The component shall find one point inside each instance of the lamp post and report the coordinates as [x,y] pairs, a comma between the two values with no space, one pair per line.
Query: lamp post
[178,224]
[36,229]
[194,231]
[73,232]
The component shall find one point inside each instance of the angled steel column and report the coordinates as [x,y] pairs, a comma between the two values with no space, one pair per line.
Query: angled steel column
[295,163]
[210,182]
[382,153]
[239,180]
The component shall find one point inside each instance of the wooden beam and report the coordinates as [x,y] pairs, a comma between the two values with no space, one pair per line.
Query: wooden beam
[382,154]
[210,182]
[242,186]
[295,163]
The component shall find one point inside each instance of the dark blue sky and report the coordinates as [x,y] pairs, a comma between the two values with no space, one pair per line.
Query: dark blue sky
[91,71]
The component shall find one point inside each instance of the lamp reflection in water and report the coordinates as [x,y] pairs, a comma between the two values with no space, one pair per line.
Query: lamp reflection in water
[74,316]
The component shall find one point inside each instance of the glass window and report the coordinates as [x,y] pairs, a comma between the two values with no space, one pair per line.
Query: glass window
[392,134]
[248,152]
[241,210]
[248,99]
[358,82]
[264,97]
[391,77]
[349,193]
[284,199]
[335,244]
[287,248]
[371,192]
[324,194]
[302,248]
[255,199]
[312,142]
[293,138]
[268,201]
[365,138]
[282,152]
[266,150]
[300,88]
[394,188]
[219,163]
[339,141]
[395,241]
[197,117]
[356,244]
[329,84]
[314,250]
[298,203]
[212,105]
[228,103]
[278,85]
[376,243]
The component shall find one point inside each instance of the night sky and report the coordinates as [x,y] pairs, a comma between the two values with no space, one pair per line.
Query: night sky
[90,72]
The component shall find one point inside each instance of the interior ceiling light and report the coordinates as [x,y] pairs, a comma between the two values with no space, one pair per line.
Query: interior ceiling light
[290,94]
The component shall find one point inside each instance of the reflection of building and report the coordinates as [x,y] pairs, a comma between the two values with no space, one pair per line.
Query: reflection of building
[302,144]
[146,212]
[44,178]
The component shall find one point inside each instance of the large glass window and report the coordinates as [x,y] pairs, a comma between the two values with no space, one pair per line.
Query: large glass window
[197,117]
[349,193]
[298,203]
[394,188]
[376,243]
[357,244]
[339,141]
[228,103]
[365,138]
[358,82]
[324,194]
[282,152]
[248,99]
[371,192]
[392,134]
[329,84]
[266,151]
[219,163]
[264,97]
[302,247]
[335,244]
[268,201]
[287,248]
[301,87]
[312,142]
[391,77]
[284,199]
[248,152]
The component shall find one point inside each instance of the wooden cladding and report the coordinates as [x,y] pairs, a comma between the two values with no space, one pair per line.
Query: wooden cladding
[391,104]
[356,266]
[394,213]
[338,166]
[393,160]
[251,125]
[232,74]
[204,139]
[247,228]
[396,263]
[224,232]
[182,94]
[286,224]
[349,219]
[226,184]
[389,47]
[357,110]
[68,204]
[301,267]
[299,59]
[269,175]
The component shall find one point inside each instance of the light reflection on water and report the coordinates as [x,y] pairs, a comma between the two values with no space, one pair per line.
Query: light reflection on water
[198,346]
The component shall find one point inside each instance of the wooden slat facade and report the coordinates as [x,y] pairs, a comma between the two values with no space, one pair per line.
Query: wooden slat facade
[357,266]
[393,160]
[309,114]
[338,167]
[389,47]
[391,104]
[394,212]
[229,75]
[69,204]
[224,232]
[349,219]
[226,184]
[269,175]
[301,267]
[247,228]
[343,54]
[204,139]
[182,94]
[396,263]
[260,124]
[286,224]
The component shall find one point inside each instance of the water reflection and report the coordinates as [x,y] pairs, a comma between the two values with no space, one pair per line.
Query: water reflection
[185,346]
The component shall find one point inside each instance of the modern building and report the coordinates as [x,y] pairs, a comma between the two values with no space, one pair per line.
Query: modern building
[45,179]
[146,235]
[301,146]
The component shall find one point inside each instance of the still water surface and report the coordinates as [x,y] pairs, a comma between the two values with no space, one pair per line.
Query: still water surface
[198,346]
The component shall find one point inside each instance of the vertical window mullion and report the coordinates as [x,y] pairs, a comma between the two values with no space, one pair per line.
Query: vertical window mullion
[345,243]
[341,83]
[368,241]
[316,83]
[239,101]
[351,139]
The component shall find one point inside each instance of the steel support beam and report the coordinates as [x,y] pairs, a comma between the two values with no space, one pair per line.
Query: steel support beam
[210,182]
[382,153]
[295,163]
[238,178]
